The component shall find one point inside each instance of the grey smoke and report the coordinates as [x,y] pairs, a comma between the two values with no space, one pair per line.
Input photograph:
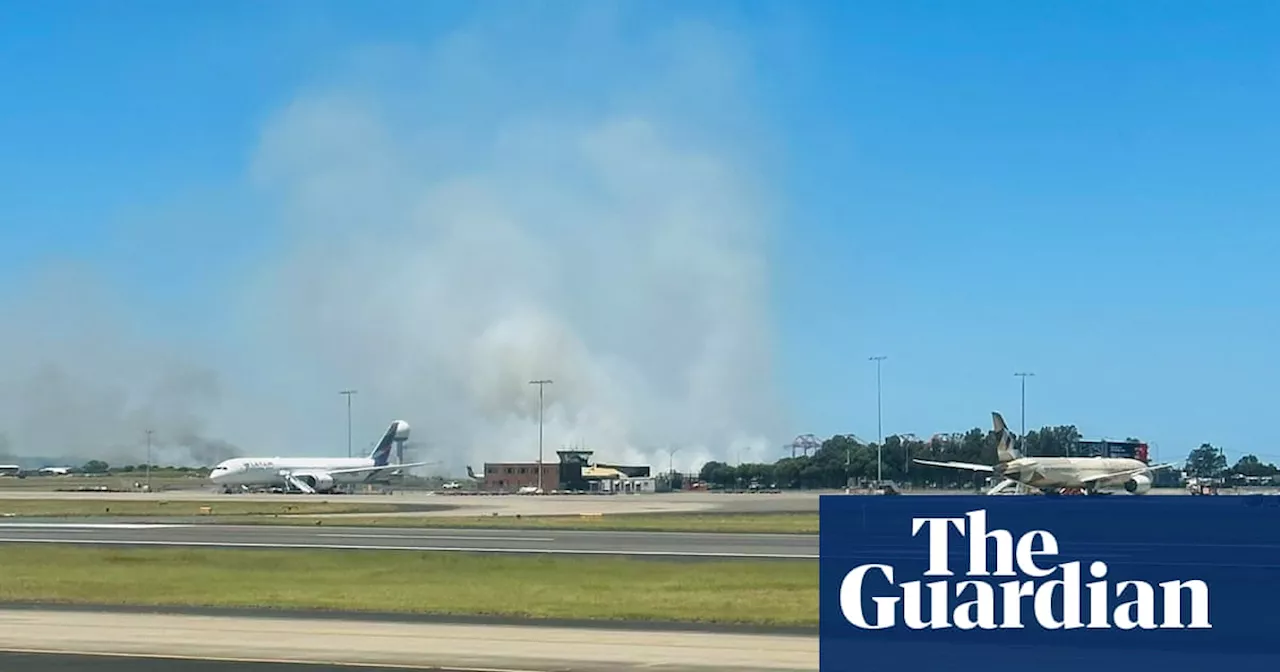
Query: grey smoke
[79,381]
[204,450]
[78,414]
[451,224]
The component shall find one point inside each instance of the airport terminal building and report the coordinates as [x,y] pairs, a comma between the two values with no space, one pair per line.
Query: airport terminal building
[1136,450]
[573,471]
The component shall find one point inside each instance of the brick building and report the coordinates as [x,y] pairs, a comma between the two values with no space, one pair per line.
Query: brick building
[573,472]
[511,476]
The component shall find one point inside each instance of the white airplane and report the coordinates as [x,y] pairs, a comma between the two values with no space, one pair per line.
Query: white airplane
[1050,475]
[313,474]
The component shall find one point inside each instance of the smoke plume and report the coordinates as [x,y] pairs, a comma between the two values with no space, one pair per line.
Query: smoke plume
[448,225]
[80,382]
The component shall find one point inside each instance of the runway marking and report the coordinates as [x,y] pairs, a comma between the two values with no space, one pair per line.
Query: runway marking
[353,547]
[433,536]
[96,526]
[260,661]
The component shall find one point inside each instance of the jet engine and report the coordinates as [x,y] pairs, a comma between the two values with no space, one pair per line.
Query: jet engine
[1138,485]
[318,482]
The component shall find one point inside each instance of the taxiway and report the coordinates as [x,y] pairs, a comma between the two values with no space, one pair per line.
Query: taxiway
[44,640]
[545,542]
[427,503]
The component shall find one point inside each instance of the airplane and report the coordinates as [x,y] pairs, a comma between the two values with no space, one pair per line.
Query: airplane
[1051,475]
[313,474]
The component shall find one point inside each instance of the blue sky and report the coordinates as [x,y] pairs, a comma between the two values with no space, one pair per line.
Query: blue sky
[1084,190]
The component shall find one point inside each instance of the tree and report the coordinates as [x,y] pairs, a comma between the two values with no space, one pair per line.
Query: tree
[844,458]
[1060,441]
[1250,465]
[95,467]
[1206,462]
[716,473]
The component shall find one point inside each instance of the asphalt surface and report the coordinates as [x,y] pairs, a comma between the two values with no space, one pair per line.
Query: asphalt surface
[482,505]
[534,542]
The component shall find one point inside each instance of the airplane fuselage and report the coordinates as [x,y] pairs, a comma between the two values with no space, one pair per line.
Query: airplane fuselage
[1051,475]
[270,471]
[1070,472]
[314,474]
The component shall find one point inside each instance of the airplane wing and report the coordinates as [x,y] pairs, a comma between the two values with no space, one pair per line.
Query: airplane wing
[385,467]
[957,465]
[1127,472]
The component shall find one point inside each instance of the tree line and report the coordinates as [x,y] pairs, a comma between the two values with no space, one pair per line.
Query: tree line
[844,459]
[98,467]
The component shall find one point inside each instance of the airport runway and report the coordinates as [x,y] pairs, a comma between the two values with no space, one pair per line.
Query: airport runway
[553,542]
[242,644]
[61,662]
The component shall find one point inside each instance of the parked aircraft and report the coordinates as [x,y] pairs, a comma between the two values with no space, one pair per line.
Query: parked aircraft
[1093,475]
[313,474]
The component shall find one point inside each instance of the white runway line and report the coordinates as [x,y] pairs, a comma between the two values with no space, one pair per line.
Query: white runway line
[452,549]
[432,537]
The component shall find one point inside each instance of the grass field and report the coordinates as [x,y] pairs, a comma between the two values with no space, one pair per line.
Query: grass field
[760,523]
[75,508]
[742,592]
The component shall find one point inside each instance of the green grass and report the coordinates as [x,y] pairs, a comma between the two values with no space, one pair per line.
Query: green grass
[742,592]
[76,508]
[760,523]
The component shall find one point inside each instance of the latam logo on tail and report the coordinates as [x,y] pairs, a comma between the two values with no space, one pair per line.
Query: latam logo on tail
[1053,596]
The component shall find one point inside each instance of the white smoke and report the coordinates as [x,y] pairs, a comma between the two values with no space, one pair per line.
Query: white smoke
[451,231]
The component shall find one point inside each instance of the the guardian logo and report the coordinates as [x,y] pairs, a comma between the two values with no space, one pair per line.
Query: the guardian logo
[1055,603]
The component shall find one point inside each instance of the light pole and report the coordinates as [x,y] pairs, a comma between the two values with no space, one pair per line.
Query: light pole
[907,439]
[148,460]
[879,425]
[541,384]
[348,394]
[671,458]
[848,462]
[1024,375]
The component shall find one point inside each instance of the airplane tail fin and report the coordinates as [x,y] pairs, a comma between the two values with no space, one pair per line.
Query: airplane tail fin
[1006,441]
[381,455]
[472,474]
